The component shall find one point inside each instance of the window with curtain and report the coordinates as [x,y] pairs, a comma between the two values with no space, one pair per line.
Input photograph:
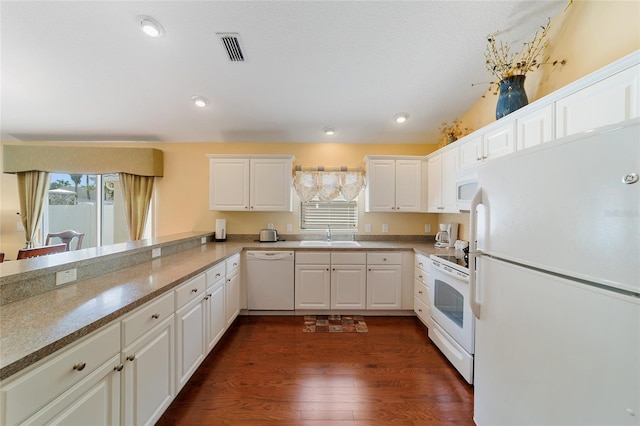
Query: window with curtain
[340,214]
[88,203]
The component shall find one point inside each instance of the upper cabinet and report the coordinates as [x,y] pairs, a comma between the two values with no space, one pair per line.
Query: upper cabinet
[250,183]
[493,144]
[535,128]
[395,184]
[608,101]
[441,182]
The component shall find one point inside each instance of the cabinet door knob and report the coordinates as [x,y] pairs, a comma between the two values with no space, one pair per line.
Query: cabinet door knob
[194,290]
[419,310]
[118,367]
[206,298]
[155,316]
[131,357]
[80,366]
[419,291]
[218,274]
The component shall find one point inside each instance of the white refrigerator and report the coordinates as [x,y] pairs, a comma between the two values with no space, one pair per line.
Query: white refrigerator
[555,283]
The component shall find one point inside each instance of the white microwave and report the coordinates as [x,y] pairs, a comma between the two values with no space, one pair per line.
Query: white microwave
[466,186]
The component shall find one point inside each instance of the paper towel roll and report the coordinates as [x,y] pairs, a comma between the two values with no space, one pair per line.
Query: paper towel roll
[221,229]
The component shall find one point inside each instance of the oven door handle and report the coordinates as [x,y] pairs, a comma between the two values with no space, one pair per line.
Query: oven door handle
[474,252]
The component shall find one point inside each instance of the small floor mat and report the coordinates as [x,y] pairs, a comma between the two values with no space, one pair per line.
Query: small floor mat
[334,324]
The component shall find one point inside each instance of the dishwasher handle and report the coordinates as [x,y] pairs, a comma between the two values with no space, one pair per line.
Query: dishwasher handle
[269,255]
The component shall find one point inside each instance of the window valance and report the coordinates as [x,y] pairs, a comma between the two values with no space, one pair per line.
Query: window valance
[93,160]
[327,182]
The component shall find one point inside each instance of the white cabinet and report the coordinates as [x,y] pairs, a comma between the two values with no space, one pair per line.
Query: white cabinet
[394,184]
[609,101]
[313,280]
[348,280]
[421,289]
[384,280]
[79,385]
[535,128]
[149,362]
[215,319]
[232,288]
[441,182]
[190,328]
[250,183]
[493,144]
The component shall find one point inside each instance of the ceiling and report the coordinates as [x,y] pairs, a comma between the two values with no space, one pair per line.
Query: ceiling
[84,71]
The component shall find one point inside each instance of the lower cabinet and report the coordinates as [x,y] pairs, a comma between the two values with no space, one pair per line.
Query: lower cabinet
[313,280]
[215,319]
[149,385]
[232,289]
[95,400]
[190,308]
[79,385]
[348,280]
[384,280]
[421,290]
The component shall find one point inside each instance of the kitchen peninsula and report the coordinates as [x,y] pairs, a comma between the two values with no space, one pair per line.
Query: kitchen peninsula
[49,320]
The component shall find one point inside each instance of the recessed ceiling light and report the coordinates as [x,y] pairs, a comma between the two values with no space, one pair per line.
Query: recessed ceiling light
[150,26]
[401,118]
[329,131]
[200,101]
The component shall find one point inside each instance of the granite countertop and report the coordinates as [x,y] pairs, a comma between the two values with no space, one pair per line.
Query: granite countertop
[37,326]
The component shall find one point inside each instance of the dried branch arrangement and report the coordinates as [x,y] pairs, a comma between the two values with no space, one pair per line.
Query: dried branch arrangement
[452,132]
[503,63]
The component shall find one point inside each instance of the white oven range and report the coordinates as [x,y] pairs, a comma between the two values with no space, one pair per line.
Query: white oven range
[453,329]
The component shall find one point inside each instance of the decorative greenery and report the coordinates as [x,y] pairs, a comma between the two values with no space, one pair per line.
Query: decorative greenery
[452,132]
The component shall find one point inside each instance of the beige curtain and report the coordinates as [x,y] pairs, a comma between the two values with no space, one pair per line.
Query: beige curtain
[137,191]
[32,189]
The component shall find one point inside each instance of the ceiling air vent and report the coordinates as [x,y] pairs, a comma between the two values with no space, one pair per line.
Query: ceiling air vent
[231,42]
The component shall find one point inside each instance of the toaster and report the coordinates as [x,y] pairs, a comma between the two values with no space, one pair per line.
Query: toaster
[268,235]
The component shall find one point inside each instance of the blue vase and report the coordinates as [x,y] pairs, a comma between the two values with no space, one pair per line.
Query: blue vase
[512,96]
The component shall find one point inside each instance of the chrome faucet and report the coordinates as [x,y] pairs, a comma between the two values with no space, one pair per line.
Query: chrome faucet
[328,232]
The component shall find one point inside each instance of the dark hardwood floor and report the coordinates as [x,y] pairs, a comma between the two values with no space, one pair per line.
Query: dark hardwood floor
[266,371]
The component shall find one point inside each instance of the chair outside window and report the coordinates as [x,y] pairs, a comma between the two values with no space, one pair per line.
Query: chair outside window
[66,237]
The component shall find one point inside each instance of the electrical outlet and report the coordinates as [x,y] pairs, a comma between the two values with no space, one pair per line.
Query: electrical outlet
[427,228]
[385,227]
[64,277]
[367,227]
[156,252]
[19,227]
[269,225]
[203,240]
[289,227]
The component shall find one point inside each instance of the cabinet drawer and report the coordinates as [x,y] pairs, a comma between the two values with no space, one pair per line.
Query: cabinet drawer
[192,289]
[146,317]
[422,262]
[232,264]
[23,396]
[382,258]
[313,257]
[215,274]
[349,258]
[422,310]
[420,275]
[421,292]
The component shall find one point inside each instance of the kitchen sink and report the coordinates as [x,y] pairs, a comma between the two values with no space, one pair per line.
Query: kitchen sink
[313,243]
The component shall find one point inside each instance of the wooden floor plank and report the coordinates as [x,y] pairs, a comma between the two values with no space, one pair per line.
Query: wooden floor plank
[266,371]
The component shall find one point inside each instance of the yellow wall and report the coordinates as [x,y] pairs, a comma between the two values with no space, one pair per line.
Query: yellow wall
[589,35]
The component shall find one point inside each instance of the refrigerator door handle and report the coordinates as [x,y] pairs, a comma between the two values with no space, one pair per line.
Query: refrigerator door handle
[474,252]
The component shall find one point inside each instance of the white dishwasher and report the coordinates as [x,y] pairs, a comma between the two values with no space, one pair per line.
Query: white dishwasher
[270,283]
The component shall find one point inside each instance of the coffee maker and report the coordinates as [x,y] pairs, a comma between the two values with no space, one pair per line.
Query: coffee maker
[448,235]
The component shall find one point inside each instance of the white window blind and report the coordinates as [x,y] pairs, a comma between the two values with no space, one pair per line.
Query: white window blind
[339,213]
